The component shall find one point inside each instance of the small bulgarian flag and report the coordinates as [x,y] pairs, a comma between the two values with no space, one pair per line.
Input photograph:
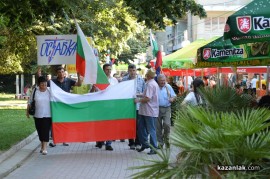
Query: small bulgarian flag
[156,53]
[154,44]
[87,64]
[105,115]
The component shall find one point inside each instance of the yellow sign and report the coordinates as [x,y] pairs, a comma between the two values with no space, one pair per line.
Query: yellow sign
[71,68]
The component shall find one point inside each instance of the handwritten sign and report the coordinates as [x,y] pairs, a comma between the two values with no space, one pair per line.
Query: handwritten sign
[56,49]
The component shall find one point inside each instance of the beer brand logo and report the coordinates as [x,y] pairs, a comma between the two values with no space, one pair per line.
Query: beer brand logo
[244,24]
[206,53]
[215,53]
[261,23]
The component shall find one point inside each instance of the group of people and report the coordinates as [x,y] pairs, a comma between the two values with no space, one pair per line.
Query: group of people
[154,98]
[185,83]
[254,87]
[153,109]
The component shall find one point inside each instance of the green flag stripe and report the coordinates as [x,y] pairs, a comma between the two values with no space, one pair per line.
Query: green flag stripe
[102,78]
[155,48]
[93,111]
[80,47]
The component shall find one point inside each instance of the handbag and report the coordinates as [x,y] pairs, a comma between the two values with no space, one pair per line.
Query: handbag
[32,107]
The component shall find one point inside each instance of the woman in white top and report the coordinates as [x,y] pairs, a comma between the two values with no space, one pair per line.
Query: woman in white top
[194,98]
[42,114]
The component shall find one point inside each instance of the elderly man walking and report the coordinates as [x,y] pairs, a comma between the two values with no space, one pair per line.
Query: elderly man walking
[148,112]
[166,96]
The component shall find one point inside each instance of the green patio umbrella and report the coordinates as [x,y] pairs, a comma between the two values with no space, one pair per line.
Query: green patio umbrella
[250,24]
[185,57]
[222,53]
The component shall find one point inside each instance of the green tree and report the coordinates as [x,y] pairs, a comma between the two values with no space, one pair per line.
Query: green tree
[137,45]
[155,12]
[107,21]
[111,23]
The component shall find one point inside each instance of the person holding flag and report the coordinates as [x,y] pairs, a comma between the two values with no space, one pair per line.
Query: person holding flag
[148,111]
[65,84]
[140,86]
[107,68]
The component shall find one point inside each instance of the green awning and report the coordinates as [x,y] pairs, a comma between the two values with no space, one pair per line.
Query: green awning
[223,53]
[185,57]
[249,24]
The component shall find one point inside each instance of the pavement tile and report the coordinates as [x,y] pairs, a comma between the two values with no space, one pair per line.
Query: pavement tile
[80,160]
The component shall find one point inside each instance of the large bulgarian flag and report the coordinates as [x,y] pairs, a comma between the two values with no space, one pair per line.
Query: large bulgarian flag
[87,64]
[104,115]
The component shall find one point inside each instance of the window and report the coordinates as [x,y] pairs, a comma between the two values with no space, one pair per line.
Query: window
[222,21]
[214,24]
[208,24]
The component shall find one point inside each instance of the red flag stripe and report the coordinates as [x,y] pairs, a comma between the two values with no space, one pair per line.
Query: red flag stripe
[80,64]
[94,131]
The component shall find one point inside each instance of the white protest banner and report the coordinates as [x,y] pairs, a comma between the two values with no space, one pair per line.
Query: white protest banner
[56,49]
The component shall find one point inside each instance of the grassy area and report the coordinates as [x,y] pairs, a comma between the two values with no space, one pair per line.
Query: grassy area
[14,125]
[9,99]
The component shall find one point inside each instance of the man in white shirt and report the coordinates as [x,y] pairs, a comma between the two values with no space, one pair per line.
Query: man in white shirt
[107,68]
[253,84]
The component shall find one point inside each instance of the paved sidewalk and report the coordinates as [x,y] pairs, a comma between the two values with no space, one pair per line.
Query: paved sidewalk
[79,160]
[14,157]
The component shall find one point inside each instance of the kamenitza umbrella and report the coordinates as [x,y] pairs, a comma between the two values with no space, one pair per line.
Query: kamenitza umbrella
[222,53]
[250,24]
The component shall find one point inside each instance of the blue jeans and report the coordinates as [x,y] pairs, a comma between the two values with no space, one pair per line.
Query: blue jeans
[108,143]
[147,125]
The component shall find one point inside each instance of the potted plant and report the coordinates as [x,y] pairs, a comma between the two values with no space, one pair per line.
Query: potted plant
[222,134]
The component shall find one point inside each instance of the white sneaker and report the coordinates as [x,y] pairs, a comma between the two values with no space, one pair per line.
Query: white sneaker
[44,152]
[132,147]
[137,147]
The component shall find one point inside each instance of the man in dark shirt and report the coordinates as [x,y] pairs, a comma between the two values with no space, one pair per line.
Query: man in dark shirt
[65,84]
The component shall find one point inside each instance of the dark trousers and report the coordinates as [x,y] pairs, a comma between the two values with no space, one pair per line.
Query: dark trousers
[136,141]
[254,91]
[43,126]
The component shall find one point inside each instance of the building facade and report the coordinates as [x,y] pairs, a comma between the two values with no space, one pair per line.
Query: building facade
[192,28]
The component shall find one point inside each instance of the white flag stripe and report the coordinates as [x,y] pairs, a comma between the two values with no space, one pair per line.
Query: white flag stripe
[123,90]
[90,59]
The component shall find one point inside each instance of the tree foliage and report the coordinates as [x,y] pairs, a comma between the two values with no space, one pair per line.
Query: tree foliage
[108,22]
[155,12]
[113,24]
[137,45]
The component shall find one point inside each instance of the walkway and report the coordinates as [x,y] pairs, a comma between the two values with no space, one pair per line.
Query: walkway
[81,160]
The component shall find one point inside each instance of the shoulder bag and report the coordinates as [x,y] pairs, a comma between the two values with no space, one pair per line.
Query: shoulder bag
[32,107]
